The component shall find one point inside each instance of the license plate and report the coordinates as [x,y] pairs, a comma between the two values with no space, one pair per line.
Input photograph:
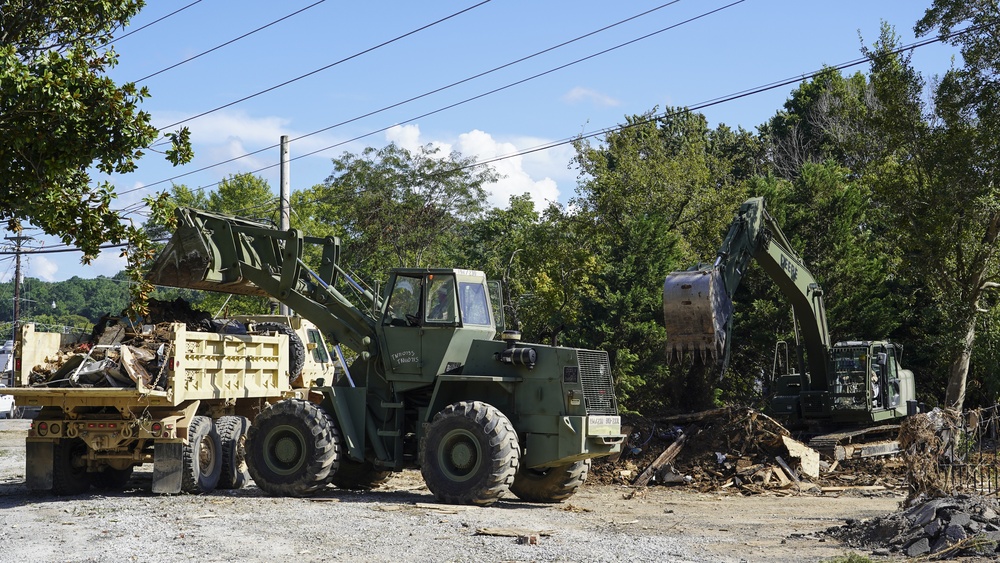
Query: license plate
[604,425]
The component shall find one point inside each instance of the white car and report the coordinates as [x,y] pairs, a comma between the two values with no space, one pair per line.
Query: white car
[7,408]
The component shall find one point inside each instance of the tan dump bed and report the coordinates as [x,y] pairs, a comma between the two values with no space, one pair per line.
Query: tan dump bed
[204,365]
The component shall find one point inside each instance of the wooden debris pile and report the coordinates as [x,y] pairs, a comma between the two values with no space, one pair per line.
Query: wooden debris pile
[122,352]
[739,449]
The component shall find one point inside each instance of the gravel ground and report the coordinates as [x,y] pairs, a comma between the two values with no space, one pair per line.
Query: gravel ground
[400,522]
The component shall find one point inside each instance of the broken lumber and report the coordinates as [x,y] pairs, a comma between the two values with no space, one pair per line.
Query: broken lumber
[808,457]
[666,457]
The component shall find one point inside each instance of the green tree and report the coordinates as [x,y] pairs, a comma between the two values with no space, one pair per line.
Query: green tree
[938,182]
[393,207]
[60,116]
[654,197]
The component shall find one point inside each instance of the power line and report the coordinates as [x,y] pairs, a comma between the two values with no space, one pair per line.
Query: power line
[354,56]
[138,29]
[425,94]
[231,41]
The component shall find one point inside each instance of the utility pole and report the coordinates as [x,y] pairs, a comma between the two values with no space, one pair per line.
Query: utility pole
[18,242]
[284,206]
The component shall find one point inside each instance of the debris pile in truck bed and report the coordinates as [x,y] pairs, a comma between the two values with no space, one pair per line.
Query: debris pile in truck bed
[121,352]
[737,449]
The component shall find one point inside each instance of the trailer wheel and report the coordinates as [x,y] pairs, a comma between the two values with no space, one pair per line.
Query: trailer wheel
[296,350]
[355,475]
[293,447]
[470,454]
[201,457]
[69,467]
[233,435]
[554,484]
[111,479]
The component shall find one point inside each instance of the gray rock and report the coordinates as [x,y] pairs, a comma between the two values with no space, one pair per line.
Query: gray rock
[959,519]
[920,547]
[934,528]
[955,533]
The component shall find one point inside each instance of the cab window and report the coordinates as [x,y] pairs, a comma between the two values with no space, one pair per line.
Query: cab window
[319,352]
[440,306]
[404,302]
[475,307]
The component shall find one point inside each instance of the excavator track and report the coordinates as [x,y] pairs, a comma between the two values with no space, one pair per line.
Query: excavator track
[875,441]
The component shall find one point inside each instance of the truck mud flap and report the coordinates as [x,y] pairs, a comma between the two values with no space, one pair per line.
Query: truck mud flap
[168,465]
[38,463]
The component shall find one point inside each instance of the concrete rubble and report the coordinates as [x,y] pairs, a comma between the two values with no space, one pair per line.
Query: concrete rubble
[939,528]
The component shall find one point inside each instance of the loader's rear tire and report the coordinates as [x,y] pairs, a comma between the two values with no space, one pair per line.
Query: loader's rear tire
[296,350]
[354,475]
[470,454]
[69,467]
[233,435]
[111,479]
[292,448]
[554,484]
[201,457]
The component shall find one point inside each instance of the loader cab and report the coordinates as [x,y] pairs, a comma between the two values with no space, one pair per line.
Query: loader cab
[430,319]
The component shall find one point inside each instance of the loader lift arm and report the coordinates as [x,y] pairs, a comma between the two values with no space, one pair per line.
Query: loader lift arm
[221,253]
[697,303]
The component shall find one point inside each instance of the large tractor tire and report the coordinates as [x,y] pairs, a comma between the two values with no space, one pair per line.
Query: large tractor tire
[69,467]
[354,475]
[201,457]
[233,435]
[554,484]
[293,447]
[296,349]
[470,454]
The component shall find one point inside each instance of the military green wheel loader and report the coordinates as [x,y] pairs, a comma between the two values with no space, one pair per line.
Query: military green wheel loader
[426,383]
[847,394]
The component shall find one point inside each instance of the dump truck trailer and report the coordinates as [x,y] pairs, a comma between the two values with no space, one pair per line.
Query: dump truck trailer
[185,406]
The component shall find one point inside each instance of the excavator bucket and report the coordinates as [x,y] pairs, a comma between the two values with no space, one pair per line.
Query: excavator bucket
[193,258]
[696,310]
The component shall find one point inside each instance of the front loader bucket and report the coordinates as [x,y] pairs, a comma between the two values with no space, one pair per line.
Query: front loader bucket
[193,257]
[696,310]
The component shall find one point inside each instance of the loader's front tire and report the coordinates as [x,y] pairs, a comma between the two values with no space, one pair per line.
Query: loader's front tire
[293,447]
[554,484]
[69,467]
[470,454]
[201,457]
[233,435]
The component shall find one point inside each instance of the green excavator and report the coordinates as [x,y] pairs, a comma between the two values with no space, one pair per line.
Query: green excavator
[849,395]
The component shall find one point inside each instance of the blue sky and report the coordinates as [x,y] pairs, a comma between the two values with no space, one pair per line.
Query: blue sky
[655,60]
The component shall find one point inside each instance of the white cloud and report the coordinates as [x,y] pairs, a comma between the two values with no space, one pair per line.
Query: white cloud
[42,268]
[515,181]
[586,95]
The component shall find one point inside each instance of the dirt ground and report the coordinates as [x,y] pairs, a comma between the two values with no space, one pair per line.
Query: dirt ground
[400,522]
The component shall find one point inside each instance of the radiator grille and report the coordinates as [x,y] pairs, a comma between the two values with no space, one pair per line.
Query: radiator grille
[595,376]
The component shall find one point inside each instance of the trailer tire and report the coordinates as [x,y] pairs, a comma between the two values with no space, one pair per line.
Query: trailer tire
[201,457]
[69,467]
[355,475]
[111,479]
[296,349]
[233,435]
[470,454]
[293,447]
[554,484]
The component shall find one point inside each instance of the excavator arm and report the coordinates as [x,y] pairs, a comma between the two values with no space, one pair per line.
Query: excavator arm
[226,254]
[698,303]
